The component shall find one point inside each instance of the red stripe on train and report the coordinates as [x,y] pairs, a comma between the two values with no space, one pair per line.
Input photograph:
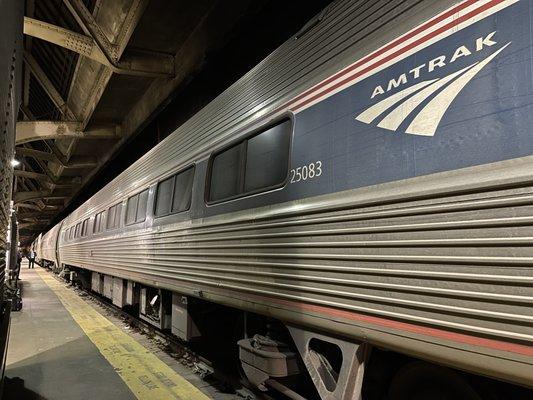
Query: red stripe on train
[386,48]
[407,327]
[391,56]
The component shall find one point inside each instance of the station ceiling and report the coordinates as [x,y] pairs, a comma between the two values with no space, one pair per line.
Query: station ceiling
[98,73]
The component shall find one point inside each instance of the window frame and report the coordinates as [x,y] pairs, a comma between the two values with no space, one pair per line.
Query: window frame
[173,175]
[85,227]
[99,223]
[136,208]
[256,132]
[115,225]
[138,194]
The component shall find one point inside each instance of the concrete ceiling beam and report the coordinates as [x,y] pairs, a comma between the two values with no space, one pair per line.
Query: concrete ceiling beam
[47,180]
[33,225]
[75,161]
[41,155]
[37,207]
[140,63]
[28,131]
[118,19]
[34,220]
[48,86]
[81,162]
[59,36]
[114,48]
[21,197]
[56,197]
[39,196]
[37,181]
[31,175]
[35,214]
[30,206]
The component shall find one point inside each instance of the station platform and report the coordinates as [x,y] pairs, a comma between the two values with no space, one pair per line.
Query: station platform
[62,347]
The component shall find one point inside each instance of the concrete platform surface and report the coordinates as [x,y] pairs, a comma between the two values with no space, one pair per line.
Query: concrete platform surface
[53,356]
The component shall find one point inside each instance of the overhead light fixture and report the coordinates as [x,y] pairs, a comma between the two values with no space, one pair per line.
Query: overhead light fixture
[15,162]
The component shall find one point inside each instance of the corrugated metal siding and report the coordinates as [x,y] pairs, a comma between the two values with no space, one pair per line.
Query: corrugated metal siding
[460,262]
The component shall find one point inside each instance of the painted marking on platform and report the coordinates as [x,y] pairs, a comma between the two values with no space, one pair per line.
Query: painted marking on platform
[146,375]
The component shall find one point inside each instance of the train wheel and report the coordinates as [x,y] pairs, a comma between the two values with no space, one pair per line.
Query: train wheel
[422,381]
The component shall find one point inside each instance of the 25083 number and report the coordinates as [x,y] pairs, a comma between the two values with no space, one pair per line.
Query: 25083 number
[306,172]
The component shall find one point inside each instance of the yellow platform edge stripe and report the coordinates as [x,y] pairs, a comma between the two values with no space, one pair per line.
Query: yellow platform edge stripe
[146,375]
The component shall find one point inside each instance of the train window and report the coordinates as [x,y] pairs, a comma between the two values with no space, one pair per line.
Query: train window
[136,208]
[96,224]
[174,193]
[113,216]
[141,207]
[78,230]
[118,214]
[164,197]
[183,191]
[85,227]
[257,163]
[131,209]
[226,173]
[267,158]
[99,222]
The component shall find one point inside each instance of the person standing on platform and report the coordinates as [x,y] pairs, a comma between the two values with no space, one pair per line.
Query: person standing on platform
[32,259]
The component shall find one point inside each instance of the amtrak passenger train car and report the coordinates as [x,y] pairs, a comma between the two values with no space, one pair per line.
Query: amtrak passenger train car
[369,185]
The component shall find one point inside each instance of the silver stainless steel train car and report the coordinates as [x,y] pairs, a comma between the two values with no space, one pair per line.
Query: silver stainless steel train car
[368,183]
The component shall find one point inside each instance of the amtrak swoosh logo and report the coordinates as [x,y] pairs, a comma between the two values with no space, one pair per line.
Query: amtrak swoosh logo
[391,112]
